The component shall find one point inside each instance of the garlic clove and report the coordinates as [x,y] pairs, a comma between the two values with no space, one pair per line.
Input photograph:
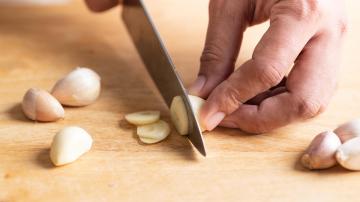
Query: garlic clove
[158,130]
[321,152]
[80,87]
[39,105]
[348,130]
[69,144]
[179,114]
[348,154]
[143,117]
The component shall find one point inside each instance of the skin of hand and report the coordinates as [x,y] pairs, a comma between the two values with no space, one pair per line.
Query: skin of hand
[304,38]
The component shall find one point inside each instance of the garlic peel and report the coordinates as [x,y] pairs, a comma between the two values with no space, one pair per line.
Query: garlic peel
[40,105]
[80,87]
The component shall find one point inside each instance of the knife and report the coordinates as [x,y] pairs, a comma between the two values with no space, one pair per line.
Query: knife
[154,55]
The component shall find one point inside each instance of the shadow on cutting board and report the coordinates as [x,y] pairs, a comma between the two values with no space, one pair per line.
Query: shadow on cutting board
[15,112]
[43,159]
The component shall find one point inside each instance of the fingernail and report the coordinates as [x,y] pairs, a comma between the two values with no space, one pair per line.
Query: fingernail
[214,120]
[198,84]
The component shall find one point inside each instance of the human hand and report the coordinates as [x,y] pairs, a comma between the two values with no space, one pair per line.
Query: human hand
[305,34]
[101,5]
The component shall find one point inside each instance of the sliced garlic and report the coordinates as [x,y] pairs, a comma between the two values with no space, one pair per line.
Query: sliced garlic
[321,151]
[80,87]
[348,154]
[69,144]
[149,140]
[348,130]
[156,131]
[179,114]
[143,117]
[40,105]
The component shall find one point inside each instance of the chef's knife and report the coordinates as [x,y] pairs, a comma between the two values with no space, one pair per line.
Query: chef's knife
[158,62]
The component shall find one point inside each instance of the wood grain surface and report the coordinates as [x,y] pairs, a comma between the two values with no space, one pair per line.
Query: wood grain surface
[38,45]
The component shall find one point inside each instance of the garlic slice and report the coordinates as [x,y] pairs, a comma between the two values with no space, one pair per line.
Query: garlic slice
[143,117]
[156,131]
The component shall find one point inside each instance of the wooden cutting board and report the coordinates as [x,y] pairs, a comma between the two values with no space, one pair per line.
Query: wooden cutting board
[38,45]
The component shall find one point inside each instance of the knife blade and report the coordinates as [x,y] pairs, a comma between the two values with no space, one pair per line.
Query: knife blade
[157,61]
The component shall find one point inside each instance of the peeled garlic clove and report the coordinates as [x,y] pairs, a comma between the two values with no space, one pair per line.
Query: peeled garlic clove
[179,114]
[321,151]
[69,144]
[157,131]
[348,154]
[80,87]
[143,117]
[348,130]
[40,105]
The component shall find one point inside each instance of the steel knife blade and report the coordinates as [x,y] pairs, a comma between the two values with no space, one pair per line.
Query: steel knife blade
[155,56]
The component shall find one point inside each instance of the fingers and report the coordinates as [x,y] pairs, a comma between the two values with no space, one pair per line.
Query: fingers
[227,23]
[101,5]
[275,53]
[310,86]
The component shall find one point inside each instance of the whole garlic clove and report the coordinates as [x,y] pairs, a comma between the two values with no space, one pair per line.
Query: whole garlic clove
[348,130]
[39,105]
[69,144]
[80,87]
[321,152]
[348,154]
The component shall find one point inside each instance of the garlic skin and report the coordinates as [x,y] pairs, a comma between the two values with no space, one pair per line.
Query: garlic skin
[80,87]
[39,105]
[348,154]
[69,144]
[348,130]
[321,152]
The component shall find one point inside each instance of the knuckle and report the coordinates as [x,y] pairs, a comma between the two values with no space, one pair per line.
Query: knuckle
[268,73]
[308,108]
[212,53]
[304,9]
[232,97]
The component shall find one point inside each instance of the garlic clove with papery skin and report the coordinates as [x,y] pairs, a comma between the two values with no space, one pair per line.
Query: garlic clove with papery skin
[80,87]
[348,154]
[39,105]
[348,130]
[321,152]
